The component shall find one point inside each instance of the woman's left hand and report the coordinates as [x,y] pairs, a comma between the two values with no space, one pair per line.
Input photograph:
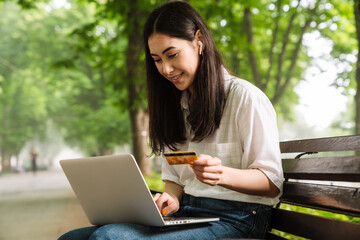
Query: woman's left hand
[208,169]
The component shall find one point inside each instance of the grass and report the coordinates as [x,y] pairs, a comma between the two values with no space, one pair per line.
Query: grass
[154,182]
[337,216]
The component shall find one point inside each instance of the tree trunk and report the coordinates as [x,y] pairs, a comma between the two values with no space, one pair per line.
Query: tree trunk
[135,83]
[139,127]
[281,87]
[251,48]
[357,95]
[357,99]
[273,42]
[5,161]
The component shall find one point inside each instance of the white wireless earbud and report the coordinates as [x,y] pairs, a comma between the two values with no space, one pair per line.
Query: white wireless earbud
[201,46]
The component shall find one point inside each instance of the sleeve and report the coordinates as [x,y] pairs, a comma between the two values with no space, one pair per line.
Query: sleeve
[259,136]
[168,172]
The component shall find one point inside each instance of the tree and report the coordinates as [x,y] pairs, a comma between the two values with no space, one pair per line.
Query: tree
[261,41]
[129,17]
[123,55]
[86,112]
[22,106]
[136,87]
[34,88]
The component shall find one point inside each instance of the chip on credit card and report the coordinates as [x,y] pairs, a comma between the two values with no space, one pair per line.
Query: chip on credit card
[180,157]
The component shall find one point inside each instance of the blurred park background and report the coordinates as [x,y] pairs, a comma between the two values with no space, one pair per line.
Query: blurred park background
[72,84]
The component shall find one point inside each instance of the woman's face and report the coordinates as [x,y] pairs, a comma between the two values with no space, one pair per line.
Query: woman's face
[175,58]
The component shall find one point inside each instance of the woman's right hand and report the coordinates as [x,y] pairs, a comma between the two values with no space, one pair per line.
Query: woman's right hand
[166,203]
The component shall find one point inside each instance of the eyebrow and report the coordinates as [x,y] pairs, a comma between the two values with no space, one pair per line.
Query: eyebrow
[167,49]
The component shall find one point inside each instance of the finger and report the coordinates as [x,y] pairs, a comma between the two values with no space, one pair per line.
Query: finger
[212,182]
[215,169]
[208,175]
[207,161]
[167,204]
[203,157]
[156,197]
[171,208]
[164,212]
[161,200]
[200,160]
[211,178]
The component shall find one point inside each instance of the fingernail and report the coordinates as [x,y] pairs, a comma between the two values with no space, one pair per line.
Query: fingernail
[164,212]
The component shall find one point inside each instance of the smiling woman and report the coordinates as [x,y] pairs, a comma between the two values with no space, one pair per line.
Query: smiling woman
[194,104]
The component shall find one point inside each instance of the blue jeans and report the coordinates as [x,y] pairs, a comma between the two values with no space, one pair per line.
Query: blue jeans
[237,220]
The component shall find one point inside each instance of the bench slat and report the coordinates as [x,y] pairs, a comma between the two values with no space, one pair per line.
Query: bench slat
[345,200]
[347,143]
[327,168]
[314,227]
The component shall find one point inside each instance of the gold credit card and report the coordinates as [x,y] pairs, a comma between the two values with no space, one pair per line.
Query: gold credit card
[180,157]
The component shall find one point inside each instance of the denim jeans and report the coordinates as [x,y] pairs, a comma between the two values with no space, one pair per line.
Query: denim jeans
[237,220]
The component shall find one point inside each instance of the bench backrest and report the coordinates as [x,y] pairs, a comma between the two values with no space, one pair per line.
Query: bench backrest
[320,181]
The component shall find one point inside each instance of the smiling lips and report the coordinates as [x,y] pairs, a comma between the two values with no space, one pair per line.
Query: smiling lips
[176,78]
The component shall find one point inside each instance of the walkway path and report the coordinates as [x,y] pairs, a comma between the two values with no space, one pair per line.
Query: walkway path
[40,206]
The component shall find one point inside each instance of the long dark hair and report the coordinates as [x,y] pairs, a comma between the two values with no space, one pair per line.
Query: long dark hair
[166,120]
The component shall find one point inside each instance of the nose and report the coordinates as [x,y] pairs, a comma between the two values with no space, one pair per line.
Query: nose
[167,68]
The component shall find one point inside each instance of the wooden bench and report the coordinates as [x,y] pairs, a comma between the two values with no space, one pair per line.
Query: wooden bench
[322,181]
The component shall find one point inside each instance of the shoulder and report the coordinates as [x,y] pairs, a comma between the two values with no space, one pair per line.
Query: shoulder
[243,90]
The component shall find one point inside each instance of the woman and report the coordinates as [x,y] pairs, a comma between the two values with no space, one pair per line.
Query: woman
[195,104]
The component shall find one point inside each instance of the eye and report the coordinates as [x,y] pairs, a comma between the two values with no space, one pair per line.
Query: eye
[173,55]
[157,60]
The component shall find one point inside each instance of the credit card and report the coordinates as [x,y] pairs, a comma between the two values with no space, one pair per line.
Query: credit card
[180,157]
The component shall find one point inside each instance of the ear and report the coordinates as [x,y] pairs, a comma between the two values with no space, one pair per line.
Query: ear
[200,37]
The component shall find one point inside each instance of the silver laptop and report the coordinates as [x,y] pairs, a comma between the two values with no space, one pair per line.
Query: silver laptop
[111,189]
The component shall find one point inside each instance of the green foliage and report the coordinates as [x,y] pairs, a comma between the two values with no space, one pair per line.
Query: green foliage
[276,30]
[286,235]
[48,74]
[154,182]
[320,213]
[22,101]
[338,25]
[25,4]
[277,59]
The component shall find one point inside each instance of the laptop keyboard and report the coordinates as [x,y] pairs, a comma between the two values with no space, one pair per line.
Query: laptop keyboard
[178,220]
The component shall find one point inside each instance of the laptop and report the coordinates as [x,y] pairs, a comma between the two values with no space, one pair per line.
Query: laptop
[111,189]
